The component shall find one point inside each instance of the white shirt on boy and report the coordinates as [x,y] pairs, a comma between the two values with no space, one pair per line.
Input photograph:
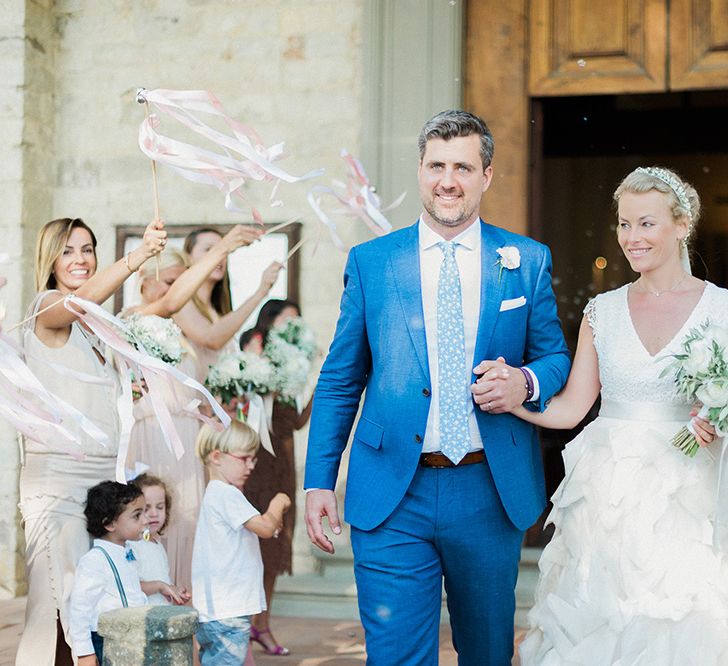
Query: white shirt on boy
[227,569]
[95,591]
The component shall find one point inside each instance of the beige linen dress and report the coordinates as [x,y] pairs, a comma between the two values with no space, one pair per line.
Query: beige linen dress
[53,485]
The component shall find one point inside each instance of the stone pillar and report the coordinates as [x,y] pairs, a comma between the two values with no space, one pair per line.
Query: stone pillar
[27,55]
[148,635]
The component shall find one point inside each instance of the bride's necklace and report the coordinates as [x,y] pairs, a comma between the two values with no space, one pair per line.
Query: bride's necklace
[657,293]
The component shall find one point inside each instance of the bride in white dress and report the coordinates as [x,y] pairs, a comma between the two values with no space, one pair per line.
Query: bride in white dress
[631,576]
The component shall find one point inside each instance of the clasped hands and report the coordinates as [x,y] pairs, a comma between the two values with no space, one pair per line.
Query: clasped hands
[500,388]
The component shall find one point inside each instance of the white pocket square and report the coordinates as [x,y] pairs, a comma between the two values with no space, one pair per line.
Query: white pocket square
[512,303]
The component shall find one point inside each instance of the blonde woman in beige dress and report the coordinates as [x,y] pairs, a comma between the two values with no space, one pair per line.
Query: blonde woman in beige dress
[71,362]
[185,477]
[208,320]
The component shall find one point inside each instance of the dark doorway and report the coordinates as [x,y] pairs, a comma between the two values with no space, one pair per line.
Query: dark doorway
[582,147]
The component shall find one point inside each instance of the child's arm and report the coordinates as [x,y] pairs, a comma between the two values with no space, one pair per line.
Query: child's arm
[172,593]
[87,591]
[269,524]
[88,660]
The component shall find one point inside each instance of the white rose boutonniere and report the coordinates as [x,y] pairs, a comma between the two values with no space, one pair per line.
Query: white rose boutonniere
[510,258]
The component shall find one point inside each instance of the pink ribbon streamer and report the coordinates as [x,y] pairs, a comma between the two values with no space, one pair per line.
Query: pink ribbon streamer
[154,371]
[36,412]
[223,171]
[359,199]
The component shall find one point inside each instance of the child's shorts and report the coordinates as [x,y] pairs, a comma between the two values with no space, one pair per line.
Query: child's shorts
[224,642]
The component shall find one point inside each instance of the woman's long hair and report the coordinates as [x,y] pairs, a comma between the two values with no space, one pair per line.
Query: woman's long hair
[52,240]
[267,315]
[220,298]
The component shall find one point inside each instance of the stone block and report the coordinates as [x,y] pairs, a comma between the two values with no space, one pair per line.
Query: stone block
[148,635]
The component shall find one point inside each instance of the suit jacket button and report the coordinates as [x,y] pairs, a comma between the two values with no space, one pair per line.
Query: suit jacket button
[418,438]
[426,392]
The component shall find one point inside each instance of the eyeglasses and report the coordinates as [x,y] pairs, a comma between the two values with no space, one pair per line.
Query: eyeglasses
[248,460]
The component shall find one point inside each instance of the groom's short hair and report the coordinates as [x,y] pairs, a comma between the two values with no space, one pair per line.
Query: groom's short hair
[453,123]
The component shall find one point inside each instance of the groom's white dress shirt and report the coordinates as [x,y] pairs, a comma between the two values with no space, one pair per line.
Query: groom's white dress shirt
[468,259]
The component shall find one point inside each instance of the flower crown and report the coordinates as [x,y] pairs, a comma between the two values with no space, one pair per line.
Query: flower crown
[673,183]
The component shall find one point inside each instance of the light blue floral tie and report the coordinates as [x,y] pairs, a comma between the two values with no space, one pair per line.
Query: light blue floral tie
[454,391]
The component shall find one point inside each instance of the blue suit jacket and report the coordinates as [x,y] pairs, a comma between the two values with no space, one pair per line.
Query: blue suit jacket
[380,346]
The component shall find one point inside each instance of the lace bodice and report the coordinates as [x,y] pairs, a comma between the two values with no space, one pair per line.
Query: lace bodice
[627,371]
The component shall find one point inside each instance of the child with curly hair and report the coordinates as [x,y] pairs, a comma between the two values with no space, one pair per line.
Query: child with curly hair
[150,556]
[105,578]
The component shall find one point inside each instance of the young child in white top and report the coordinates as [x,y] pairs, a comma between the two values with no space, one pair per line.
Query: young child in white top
[150,557]
[227,569]
[105,578]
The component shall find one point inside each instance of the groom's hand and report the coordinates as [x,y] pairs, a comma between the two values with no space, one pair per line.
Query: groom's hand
[320,503]
[500,388]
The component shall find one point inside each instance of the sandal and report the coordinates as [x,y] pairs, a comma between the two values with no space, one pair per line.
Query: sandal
[277,650]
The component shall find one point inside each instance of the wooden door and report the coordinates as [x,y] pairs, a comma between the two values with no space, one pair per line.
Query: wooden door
[588,47]
[698,44]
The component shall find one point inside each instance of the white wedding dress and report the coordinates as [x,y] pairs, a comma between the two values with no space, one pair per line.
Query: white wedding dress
[630,577]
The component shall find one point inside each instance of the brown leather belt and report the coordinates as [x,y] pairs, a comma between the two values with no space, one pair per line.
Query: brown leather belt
[436,459]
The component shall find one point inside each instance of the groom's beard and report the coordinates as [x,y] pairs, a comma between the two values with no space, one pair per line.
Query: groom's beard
[448,218]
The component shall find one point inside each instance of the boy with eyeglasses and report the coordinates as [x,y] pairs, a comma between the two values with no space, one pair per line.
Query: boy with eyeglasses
[227,569]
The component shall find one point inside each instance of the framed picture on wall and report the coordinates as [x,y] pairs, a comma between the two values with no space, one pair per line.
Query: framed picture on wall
[245,265]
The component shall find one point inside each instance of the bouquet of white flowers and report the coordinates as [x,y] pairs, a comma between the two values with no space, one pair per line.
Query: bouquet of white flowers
[296,332]
[290,348]
[701,373]
[238,373]
[158,337]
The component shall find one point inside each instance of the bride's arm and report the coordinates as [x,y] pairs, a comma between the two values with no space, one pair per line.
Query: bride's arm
[569,407]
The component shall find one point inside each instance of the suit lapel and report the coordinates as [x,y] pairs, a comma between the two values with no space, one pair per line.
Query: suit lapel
[491,289]
[405,260]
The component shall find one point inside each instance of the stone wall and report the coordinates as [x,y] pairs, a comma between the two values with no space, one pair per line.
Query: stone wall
[321,75]
[290,68]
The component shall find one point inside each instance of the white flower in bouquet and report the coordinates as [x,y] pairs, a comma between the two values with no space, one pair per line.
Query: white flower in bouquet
[157,336]
[296,332]
[238,373]
[291,366]
[713,394]
[257,372]
[698,359]
[701,373]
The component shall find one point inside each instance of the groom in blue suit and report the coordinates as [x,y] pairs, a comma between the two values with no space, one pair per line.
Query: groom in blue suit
[442,480]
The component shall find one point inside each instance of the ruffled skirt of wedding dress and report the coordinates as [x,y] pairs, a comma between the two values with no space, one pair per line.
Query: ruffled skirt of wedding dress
[630,577]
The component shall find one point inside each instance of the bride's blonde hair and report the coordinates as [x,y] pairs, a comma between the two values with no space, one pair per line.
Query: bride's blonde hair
[684,200]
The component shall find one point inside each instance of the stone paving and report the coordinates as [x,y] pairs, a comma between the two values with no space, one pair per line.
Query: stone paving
[313,642]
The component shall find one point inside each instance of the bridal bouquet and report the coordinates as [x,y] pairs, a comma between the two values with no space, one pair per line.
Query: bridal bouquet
[158,337]
[290,348]
[240,373]
[701,373]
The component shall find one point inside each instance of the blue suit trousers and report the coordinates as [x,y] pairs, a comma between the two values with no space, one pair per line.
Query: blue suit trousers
[451,524]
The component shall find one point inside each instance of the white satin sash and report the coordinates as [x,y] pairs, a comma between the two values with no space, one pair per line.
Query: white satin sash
[645,411]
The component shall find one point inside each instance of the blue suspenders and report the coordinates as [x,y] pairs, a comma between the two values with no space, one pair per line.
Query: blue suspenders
[117,577]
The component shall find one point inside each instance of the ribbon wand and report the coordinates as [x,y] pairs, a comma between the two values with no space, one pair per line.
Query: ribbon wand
[142,100]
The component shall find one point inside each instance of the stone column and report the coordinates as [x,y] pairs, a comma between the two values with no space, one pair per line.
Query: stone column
[148,635]
[27,56]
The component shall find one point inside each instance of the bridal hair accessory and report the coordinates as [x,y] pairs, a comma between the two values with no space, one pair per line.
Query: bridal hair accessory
[674,184]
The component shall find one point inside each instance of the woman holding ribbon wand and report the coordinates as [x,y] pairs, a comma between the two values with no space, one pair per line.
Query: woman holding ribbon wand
[164,297]
[71,363]
[631,575]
